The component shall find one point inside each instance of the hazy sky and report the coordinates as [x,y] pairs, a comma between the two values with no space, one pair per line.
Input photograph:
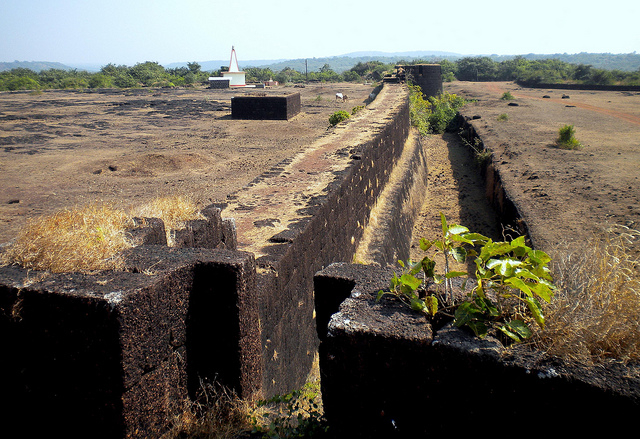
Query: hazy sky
[131,31]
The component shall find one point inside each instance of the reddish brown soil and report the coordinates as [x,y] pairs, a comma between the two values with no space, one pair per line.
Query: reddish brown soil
[566,196]
[59,149]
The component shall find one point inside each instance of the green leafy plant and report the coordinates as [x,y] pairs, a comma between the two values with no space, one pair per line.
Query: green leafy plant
[503,117]
[338,117]
[455,244]
[357,109]
[511,280]
[294,415]
[566,138]
[507,96]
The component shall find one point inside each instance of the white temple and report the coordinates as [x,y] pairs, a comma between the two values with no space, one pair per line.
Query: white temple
[237,78]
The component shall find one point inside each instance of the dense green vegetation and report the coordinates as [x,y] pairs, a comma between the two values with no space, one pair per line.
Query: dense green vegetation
[539,71]
[152,74]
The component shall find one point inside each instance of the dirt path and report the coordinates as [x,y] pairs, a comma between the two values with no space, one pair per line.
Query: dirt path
[456,189]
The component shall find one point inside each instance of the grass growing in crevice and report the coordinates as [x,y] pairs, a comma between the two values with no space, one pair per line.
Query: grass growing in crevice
[220,413]
[173,210]
[594,315]
[89,238]
[217,413]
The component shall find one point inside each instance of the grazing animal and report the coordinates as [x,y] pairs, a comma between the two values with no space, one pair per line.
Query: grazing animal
[342,97]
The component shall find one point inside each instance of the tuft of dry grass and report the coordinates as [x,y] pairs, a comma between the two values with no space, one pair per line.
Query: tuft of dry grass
[218,413]
[90,238]
[173,210]
[82,239]
[595,315]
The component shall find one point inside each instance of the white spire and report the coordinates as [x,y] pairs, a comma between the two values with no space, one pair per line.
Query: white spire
[233,67]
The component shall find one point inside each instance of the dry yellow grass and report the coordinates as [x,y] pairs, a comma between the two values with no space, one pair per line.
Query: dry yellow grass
[218,413]
[595,315]
[89,238]
[174,211]
[82,239]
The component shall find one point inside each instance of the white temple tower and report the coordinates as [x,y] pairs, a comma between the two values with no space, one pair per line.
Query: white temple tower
[236,77]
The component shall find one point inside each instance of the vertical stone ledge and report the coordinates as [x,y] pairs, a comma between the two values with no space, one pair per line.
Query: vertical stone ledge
[115,354]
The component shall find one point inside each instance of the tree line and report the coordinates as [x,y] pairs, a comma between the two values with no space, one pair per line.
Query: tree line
[152,74]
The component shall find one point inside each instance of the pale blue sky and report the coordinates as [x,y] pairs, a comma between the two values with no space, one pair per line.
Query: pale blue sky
[131,31]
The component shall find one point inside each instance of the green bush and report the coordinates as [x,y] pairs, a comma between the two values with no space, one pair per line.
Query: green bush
[338,117]
[19,83]
[444,109]
[100,80]
[435,115]
[503,117]
[295,415]
[566,138]
[507,96]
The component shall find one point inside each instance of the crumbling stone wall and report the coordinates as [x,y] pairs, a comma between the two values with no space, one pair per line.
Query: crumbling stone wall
[330,231]
[386,372]
[116,353]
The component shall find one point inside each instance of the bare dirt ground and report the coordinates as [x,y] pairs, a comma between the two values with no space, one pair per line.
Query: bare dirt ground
[566,196]
[60,149]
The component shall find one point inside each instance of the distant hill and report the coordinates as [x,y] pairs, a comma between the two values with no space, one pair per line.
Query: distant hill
[411,54]
[36,66]
[341,63]
[337,63]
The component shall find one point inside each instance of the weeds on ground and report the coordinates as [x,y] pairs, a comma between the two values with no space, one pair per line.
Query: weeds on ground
[480,154]
[89,238]
[594,316]
[507,96]
[503,117]
[295,415]
[566,138]
[219,413]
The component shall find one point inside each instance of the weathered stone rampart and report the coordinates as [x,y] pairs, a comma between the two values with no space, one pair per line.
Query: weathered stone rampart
[386,372]
[116,353]
[307,213]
